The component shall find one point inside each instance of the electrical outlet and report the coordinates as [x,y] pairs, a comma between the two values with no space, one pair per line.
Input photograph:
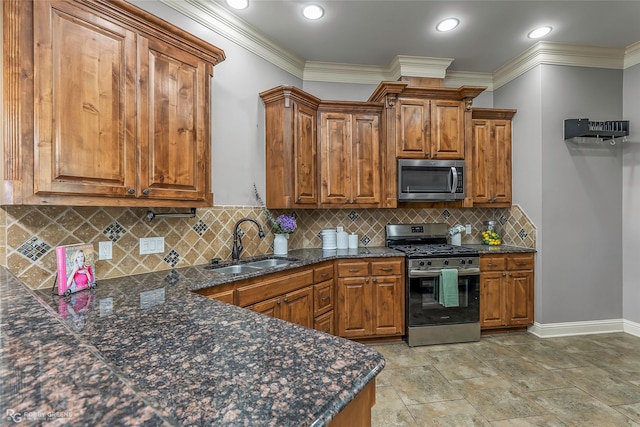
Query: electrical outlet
[105,250]
[467,229]
[151,245]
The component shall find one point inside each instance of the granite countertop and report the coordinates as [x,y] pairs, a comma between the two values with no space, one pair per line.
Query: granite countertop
[145,350]
[500,249]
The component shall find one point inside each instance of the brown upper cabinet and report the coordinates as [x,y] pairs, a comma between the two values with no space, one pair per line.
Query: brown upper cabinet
[105,105]
[491,157]
[350,155]
[291,148]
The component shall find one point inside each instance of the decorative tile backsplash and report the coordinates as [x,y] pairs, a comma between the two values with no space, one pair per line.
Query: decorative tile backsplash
[29,234]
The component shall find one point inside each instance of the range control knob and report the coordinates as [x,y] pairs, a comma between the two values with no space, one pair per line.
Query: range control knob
[428,262]
[470,261]
[446,262]
[421,263]
[461,262]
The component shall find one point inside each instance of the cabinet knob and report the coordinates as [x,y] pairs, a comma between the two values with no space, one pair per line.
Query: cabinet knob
[325,299]
[278,301]
[375,280]
[435,155]
[286,300]
[366,280]
[298,199]
[145,191]
[131,191]
[426,154]
[511,274]
[354,200]
[504,274]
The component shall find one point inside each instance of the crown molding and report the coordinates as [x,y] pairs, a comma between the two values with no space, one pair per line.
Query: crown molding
[632,55]
[559,54]
[466,78]
[220,21]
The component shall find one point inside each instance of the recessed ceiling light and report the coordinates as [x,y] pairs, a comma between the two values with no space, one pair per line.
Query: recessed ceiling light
[238,4]
[448,24]
[539,32]
[313,11]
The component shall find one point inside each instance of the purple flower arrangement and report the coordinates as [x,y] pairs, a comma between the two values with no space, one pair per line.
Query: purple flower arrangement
[284,224]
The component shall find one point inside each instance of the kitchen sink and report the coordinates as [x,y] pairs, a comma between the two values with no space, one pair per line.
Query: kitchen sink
[234,269]
[269,263]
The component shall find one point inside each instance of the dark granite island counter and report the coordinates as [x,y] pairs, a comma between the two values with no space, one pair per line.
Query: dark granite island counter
[174,357]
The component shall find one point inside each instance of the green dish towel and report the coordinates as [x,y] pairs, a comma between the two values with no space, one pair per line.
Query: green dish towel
[449,287]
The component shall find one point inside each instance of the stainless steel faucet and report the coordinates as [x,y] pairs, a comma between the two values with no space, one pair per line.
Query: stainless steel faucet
[237,240]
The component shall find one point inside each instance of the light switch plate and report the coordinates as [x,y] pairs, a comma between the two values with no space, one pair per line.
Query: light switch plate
[105,250]
[151,245]
[468,229]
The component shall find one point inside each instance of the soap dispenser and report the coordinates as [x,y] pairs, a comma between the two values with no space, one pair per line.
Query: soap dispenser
[342,237]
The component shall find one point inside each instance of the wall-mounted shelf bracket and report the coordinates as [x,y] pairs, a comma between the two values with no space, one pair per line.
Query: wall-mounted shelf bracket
[576,129]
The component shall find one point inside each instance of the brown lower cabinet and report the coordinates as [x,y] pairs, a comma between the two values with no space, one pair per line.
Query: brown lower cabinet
[506,290]
[370,298]
[295,307]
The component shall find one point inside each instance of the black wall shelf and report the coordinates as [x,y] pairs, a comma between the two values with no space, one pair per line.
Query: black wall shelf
[583,128]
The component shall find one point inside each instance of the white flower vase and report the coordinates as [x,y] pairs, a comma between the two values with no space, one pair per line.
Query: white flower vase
[280,244]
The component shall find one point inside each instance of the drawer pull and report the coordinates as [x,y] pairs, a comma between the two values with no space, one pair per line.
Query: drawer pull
[492,264]
[386,269]
[326,298]
[326,331]
[521,263]
[325,275]
[354,270]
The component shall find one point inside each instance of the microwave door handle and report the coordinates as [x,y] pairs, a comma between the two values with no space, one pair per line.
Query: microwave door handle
[454,181]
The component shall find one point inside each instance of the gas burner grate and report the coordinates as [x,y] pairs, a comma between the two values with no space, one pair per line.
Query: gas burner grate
[434,250]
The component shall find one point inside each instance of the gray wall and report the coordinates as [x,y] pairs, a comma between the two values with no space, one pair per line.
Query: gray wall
[237,127]
[524,95]
[631,197]
[573,193]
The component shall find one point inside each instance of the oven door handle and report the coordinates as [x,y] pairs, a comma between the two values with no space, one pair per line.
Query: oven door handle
[436,273]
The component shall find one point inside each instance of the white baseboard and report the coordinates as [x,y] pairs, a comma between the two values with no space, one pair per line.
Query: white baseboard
[549,330]
[632,328]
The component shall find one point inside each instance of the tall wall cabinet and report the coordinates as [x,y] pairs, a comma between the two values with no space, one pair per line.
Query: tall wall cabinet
[104,104]
[491,157]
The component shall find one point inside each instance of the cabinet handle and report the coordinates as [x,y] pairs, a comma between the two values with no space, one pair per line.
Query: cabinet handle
[354,270]
[386,269]
[131,191]
[145,191]
[521,263]
[492,264]
[435,155]
[325,299]
[325,275]
[426,154]
[354,200]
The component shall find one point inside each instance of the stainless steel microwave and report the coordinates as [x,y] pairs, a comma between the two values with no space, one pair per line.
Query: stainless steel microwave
[430,180]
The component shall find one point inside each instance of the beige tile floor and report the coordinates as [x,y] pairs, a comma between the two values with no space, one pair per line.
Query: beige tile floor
[512,380]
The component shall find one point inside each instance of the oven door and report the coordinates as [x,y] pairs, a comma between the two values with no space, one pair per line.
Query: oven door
[423,299]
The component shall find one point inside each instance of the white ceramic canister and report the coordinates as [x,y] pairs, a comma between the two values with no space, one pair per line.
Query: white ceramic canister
[329,239]
[353,241]
[342,238]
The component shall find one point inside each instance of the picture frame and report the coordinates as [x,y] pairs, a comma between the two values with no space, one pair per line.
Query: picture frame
[76,268]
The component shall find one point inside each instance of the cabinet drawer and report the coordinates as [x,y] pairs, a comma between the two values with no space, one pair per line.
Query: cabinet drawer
[353,269]
[384,268]
[324,323]
[320,274]
[520,262]
[322,297]
[273,286]
[493,263]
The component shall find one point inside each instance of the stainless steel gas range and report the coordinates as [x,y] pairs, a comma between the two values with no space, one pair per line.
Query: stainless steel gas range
[442,285]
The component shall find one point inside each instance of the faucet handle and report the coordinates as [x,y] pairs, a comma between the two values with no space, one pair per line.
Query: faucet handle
[215,260]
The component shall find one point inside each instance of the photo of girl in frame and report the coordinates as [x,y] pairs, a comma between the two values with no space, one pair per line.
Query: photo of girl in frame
[75,268]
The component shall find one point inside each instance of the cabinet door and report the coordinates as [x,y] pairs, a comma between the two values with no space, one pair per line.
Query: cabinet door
[501,143]
[322,297]
[354,307]
[387,305]
[519,298]
[483,161]
[305,185]
[324,323]
[270,307]
[492,301]
[298,307]
[173,109]
[447,130]
[85,103]
[365,174]
[413,128]
[335,158]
